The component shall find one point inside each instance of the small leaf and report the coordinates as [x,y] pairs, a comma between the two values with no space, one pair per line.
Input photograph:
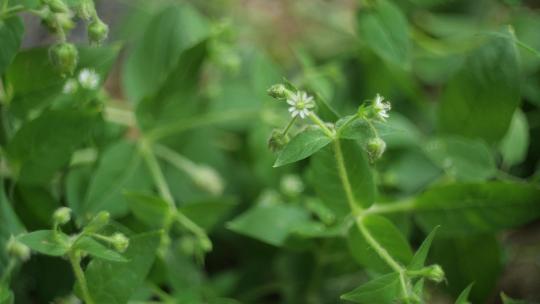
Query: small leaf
[302,146]
[115,283]
[270,224]
[47,242]
[149,209]
[464,295]
[507,300]
[382,290]
[11,32]
[97,250]
[514,145]
[384,28]
[384,233]
[420,256]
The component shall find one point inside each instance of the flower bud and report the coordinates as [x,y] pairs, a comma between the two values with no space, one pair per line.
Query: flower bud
[98,222]
[434,273]
[97,31]
[291,185]
[120,242]
[17,249]
[62,216]
[86,9]
[375,148]
[208,179]
[278,91]
[57,6]
[64,57]
[277,140]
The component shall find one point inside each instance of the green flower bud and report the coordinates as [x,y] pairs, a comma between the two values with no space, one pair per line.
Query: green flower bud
[64,57]
[62,216]
[277,140]
[97,31]
[57,6]
[98,222]
[208,179]
[434,273]
[120,242]
[291,184]
[17,249]
[375,148]
[278,91]
[86,9]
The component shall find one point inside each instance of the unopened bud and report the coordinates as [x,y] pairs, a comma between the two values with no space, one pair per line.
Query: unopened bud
[277,140]
[62,216]
[278,91]
[375,148]
[64,57]
[208,179]
[291,185]
[17,249]
[434,273]
[98,222]
[120,242]
[97,31]
[57,6]
[86,9]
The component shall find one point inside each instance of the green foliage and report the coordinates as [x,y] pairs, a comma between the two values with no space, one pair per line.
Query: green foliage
[11,31]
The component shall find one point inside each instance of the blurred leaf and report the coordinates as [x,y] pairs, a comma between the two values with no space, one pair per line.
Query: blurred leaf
[324,177]
[515,143]
[409,164]
[114,283]
[11,32]
[270,224]
[47,242]
[382,290]
[464,295]
[149,209]
[481,98]
[302,146]
[44,145]
[465,209]
[384,28]
[97,250]
[462,158]
[420,256]
[35,206]
[387,235]
[207,213]
[507,300]
[120,169]
[172,31]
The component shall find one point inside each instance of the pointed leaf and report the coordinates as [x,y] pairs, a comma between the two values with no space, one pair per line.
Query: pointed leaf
[302,146]
[382,290]
[420,256]
[464,295]
[149,209]
[97,250]
[47,242]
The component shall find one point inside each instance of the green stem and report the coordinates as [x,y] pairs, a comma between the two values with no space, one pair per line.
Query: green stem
[176,159]
[157,174]
[7,272]
[75,261]
[195,229]
[402,206]
[321,124]
[288,127]
[346,123]
[120,116]
[342,170]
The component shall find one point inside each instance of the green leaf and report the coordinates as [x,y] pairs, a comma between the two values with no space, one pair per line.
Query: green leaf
[97,250]
[11,32]
[462,158]
[463,297]
[47,242]
[420,256]
[11,225]
[114,283]
[465,209]
[384,28]
[120,169]
[270,224]
[149,209]
[514,145]
[507,300]
[302,146]
[382,290]
[481,98]
[325,178]
[6,295]
[207,213]
[44,145]
[387,235]
[172,31]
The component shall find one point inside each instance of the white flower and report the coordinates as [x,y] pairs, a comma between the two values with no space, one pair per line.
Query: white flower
[381,108]
[88,79]
[301,103]
[70,86]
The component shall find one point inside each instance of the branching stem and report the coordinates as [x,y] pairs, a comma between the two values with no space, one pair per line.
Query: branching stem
[75,260]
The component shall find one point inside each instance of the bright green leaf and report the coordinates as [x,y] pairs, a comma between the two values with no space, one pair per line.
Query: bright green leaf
[302,146]
[97,250]
[47,242]
[514,145]
[420,256]
[507,300]
[382,290]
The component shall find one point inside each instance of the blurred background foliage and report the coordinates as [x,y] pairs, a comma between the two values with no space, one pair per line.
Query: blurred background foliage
[197,73]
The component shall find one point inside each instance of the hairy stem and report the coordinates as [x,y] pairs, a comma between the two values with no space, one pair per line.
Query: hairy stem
[75,261]
[342,170]
[321,124]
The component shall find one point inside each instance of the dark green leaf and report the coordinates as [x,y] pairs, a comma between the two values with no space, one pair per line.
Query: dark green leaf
[114,283]
[271,224]
[481,98]
[302,146]
[382,290]
[325,178]
[149,209]
[387,235]
[47,242]
[464,209]
[97,250]
[384,28]
[11,32]
[44,145]
[420,256]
